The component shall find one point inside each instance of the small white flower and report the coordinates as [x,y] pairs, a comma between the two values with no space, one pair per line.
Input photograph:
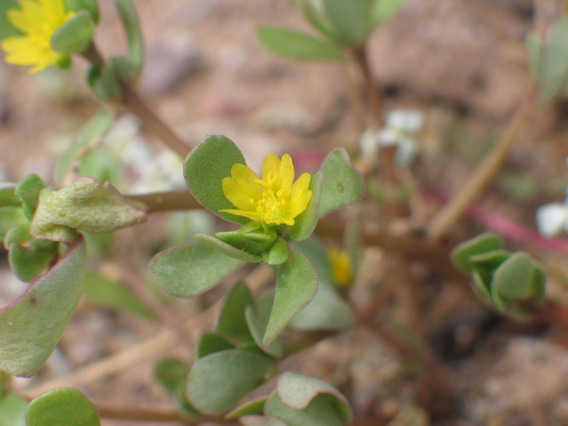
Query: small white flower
[552,219]
[401,126]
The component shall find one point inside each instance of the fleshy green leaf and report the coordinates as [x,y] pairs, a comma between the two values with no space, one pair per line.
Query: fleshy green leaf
[90,6]
[554,73]
[479,245]
[257,326]
[251,408]
[204,170]
[62,407]
[131,22]
[28,190]
[29,257]
[171,374]
[6,28]
[86,205]
[298,391]
[8,197]
[31,326]
[342,184]
[186,271]
[305,224]
[232,322]
[316,252]
[513,280]
[105,82]
[383,10]
[209,343]
[217,381]
[278,254]
[219,245]
[296,286]
[11,217]
[12,410]
[350,20]
[115,295]
[75,35]
[256,242]
[327,311]
[297,45]
[319,412]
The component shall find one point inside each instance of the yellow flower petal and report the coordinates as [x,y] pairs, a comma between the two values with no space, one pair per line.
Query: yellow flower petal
[242,188]
[273,200]
[38,20]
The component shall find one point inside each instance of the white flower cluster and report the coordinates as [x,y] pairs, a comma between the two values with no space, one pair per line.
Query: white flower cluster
[402,125]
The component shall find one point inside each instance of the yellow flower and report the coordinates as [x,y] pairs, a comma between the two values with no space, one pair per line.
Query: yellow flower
[273,200]
[340,266]
[38,20]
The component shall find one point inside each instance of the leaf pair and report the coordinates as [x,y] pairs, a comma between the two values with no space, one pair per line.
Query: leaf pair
[501,279]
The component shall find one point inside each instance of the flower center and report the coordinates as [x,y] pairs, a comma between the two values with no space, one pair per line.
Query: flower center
[271,202]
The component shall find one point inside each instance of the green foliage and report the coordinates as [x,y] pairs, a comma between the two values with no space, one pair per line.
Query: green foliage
[217,381]
[28,190]
[12,410]
[204,169]
[501,279]
[115,295]
[86,205]
[344,24]
[296,286]
[210,343]
[131,22]
[186,271]
[6,28]
[75,35]
[31,326]
[90,6]
[171,374]
[232,322]
[11,217]
[307,221]
[227,249]
[251,408]
[62,407]
[327,311]
[350,20]
[298,45]
[29,257]
[342,183]
[300,401]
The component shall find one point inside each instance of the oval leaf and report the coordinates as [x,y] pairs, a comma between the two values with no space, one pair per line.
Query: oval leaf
[86,205]
[296,286]
[305,224]
[131,22]
[319,412]
[327,311]
[350,20]
[513,280]
[31,326]
[75,35]
[12,410]
[297,45]
[298,391]
[62,407]
[204,170]
[223,247]
[218,381]
[186,271]
[342,183]
[479,245]
[231,321]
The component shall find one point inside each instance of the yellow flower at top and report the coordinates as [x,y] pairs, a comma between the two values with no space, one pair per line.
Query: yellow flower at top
[38,20]
[273,200]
